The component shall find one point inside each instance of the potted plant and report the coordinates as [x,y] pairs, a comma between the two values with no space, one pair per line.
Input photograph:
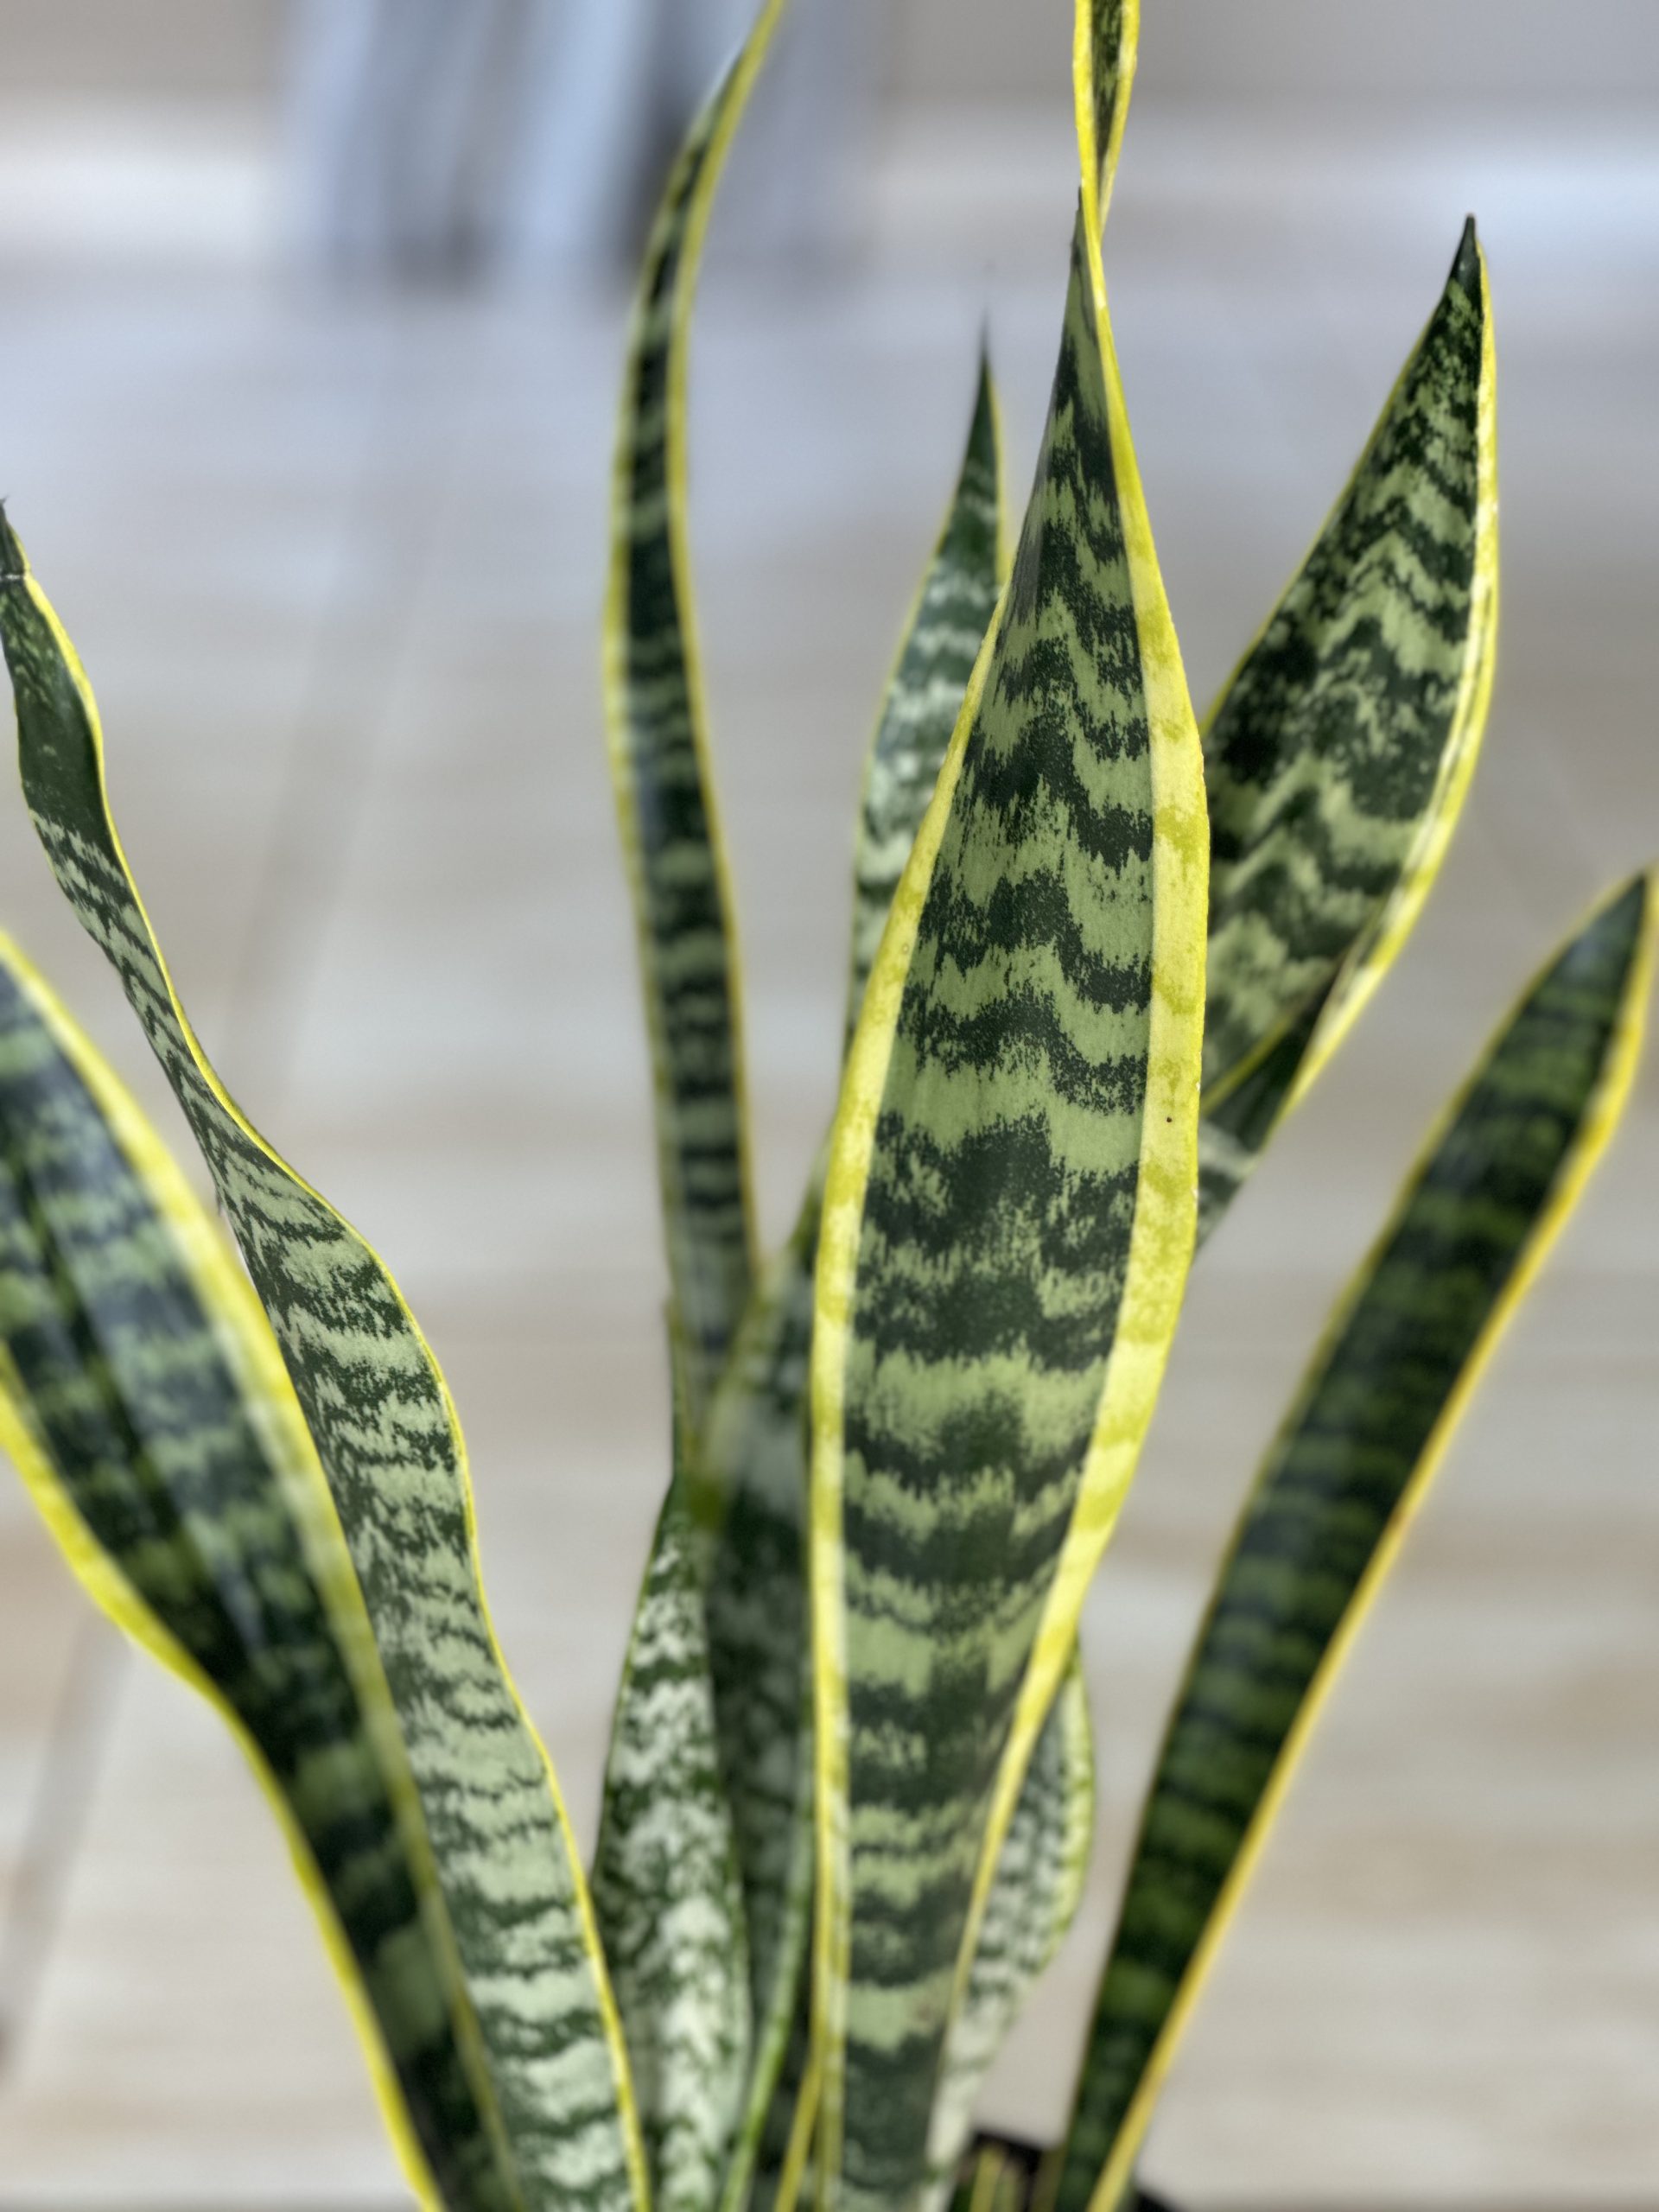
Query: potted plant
[1098,955]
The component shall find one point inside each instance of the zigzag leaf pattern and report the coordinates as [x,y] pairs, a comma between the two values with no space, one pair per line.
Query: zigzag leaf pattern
[1340,1486]
[1041,1875]
[386,1433]
[1006,1235]
[1339,754]
[757,1440]
[1360,711]
[754,1509]
[941,644]
[667,1817]
[753,1491]
[666,1888]
[665,793]
[143,1399]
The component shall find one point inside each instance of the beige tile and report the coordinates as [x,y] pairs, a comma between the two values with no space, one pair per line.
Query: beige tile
[190,2047]
[48,1690]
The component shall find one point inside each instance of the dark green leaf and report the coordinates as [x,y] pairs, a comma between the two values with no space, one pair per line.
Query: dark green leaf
[1337,1495]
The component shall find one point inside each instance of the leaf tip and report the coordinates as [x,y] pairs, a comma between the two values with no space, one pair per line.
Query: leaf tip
[1467,261]
[14,565]
[1634,900]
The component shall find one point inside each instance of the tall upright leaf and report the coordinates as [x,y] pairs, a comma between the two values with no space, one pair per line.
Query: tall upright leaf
[941,642]
[143,1400]
[666,1887]
[1041,1877]
[667,1818]
[1337,757]
[659,764]
[753,1499]
[1106,44]
[1342,749]
[1339,1492]
[1036,1876]
[754,1468]
[385,1431]
[1006,1228]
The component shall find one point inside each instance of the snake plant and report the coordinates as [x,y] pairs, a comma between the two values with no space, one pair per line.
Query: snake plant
[1099,951]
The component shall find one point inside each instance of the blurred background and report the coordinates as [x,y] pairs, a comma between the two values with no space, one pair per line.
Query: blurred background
[310,320]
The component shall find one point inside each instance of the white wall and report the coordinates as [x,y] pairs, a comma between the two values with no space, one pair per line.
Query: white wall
[982,49]
[1509,49]
[210,46]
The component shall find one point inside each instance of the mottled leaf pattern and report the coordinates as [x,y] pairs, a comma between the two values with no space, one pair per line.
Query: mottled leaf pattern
[942,641]
[1038,1886]
[1108,36]
[386,1433]
[143,1399]
[1337,757]
[756,1598]
[664,789]
[753,1494]
[978,1300]
[1006,1235]
[1338,1491]
[666,1892]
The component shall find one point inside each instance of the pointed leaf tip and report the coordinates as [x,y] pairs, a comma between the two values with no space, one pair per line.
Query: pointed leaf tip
[13,565]
[1466,263]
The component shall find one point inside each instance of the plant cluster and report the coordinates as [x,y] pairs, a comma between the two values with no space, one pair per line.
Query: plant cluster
[1098,954]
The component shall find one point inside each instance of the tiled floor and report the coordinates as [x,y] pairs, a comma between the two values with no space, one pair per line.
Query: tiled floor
[334,565]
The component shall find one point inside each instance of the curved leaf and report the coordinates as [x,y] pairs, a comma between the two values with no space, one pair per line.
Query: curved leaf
[143,1400]
[386,1433]
[1041,1877]
[666,1892]
[665,791]
[1337,757]
[1338,1493]
[1007,1229]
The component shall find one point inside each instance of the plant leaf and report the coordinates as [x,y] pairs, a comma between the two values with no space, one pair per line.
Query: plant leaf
[1041,1877]
[1338,756]
[386,1433]
[659,765]
[142,1399]
[1007,1229]
[755,1595]
[666,1889]
[995,2176]
[941,639]
[1339,1488]
[1106,40]
[1000,2174]
[1043,1864]
[753,1496]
